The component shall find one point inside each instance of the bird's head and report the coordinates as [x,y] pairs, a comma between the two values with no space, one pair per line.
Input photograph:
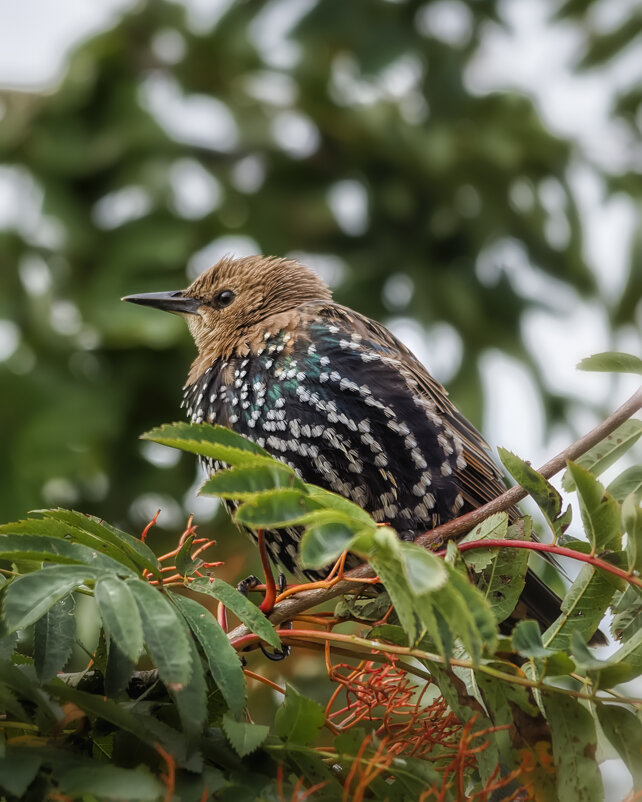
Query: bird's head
[236,299]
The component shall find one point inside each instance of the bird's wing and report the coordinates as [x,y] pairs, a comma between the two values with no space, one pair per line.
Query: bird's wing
[480,481]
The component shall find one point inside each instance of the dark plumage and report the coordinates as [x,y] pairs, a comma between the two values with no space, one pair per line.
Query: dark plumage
[334,395]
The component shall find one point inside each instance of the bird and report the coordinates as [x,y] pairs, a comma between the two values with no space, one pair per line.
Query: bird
[338,398]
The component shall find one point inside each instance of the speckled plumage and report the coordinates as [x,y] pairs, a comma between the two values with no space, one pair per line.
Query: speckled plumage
[337,397]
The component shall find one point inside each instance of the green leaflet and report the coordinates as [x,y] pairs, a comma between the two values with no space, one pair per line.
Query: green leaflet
[540,489]
[215,442]
[166,635]
[605,453]
[244,737]
[275,509]
[242,607]
[119,613]
[574,745]
[253,477]
[299,719]
[629,482]
[28,597]
[600,512]
[611,362]
[583,608]
[624,730]
[55,550]
[54,638]
[224,663]
[632,524]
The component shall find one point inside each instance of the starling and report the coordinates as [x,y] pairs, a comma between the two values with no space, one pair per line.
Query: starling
[335,396]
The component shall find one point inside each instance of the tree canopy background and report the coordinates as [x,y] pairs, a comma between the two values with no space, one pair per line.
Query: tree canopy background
[349,134]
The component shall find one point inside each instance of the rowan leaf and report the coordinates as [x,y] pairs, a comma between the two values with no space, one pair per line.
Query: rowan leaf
[624,730]
[600,512]
[606,452]
[244,737]
[244,481]
[54,638]
[275,509]
[223,660]
[611,362]
[119,614]
[299,719]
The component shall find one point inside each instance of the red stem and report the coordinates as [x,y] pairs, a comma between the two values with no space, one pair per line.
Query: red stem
[550,548]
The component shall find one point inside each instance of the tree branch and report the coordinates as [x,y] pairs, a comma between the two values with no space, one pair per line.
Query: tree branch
[289,608]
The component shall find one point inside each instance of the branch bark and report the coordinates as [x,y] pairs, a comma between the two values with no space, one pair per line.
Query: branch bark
[289,608]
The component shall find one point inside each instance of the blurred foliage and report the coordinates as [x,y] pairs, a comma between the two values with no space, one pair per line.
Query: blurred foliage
[166,136]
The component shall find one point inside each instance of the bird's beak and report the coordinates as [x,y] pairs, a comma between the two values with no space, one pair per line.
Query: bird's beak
[173,301]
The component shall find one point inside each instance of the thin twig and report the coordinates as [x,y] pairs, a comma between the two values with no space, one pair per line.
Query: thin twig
[289,608]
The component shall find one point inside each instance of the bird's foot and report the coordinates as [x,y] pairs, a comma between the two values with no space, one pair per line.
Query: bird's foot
[278,654]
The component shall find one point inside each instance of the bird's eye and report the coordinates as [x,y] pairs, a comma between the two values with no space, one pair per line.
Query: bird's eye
[224,298]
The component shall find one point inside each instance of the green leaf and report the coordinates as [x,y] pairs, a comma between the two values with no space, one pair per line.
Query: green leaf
[606,452]
[119,613]
[207,440]
[494,527]
[541,490]
[27,598]
[629,482]
[632,524]
[242,607]
[137,551]
[624,730]
[252,478]
[223,660]
[165,635]
[17,772]
[574,745]
[322,544]
[502,581]
[332,501]
[54,638]
[55,550]
[111,782]
[527,640]
[244,737]
[611,362]
[600,512]
[118,671]
[299,719]
[604,673]
[275,509]
[423,570]
[191,698]
[583,608]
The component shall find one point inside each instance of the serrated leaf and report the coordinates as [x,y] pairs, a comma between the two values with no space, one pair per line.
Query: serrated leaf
[165,634]
[332,501]
[184,563]
[492,528]
[424,571]
[244,481]
[275,509]
[624,730]
[111,782]
[223,660]
[583,608]
[28,597]
[574,745]
[606,452]
[55,550]
[191,698]
[119,613]
[207,440]
[244,737]
[629,482]
[242,607]
[54,638]
[600,512]
[632,524]
[527,640]
[540,489]
[323,543]
[118,670]
[299,719]
[502,581]
[137,551]
[611,362]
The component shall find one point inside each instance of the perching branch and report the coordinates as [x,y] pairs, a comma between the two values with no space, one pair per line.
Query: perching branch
[292,606]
